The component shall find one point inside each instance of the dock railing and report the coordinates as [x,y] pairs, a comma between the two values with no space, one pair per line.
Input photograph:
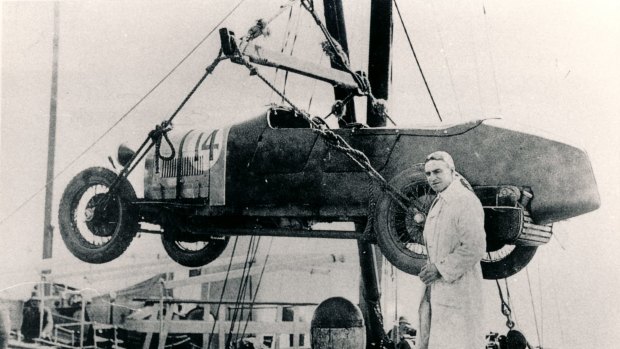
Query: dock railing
[296,331]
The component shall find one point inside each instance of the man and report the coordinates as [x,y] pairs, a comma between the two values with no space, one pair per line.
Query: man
[451,309]
[5,328]
[406,334]
[31,320]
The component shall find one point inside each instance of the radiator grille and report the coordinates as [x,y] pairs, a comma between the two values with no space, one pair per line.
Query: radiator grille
[188,166]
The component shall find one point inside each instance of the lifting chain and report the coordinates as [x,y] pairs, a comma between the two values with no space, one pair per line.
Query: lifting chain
[336,141]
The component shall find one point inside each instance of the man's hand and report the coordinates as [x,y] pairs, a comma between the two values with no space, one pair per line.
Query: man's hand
[429,273]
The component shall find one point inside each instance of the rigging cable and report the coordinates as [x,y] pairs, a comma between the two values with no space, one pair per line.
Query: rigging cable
[260,279]
[505,307]
[512,307]
[486,31]
[416,60]
[131,109]
[314,82]
[475,50]
[219,304]
[337,142]
[542,314]
[296,32]
[527,272]
[338,56]
[287,34]
[243,286]
[445,58]
[557,306]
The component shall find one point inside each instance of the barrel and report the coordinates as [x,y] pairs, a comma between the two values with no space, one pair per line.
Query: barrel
[337,324]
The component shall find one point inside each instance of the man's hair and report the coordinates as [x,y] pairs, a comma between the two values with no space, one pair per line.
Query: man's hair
[441,156]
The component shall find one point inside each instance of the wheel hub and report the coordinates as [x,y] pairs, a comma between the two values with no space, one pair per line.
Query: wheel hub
[419,217]
[101,218]
[89,214]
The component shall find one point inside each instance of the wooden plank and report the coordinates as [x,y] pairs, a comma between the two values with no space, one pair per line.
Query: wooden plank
[260,55]
[147,339]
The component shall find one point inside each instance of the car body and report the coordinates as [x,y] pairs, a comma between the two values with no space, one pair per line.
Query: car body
[277,174]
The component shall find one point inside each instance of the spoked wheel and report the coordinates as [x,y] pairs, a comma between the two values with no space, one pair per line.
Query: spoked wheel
[400,232]
[96,226]
[194,253]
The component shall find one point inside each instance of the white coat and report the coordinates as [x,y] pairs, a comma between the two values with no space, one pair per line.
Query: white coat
[456,241]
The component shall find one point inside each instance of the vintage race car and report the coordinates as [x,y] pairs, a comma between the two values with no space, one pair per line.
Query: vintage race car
[275,175]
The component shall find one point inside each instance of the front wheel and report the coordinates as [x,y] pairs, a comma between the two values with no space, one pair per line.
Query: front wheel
[95,225]
[194,253]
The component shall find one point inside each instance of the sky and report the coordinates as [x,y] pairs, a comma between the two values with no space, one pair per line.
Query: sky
[547,65]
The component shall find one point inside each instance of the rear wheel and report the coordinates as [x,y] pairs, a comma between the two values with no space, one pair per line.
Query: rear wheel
[400,232]
[95,225]
[194,253]
[506,261]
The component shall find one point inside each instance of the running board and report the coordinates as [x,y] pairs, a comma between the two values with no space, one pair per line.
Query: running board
[258,55]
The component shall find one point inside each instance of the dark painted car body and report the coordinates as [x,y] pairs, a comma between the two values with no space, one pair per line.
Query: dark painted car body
[276,165]
[278,174]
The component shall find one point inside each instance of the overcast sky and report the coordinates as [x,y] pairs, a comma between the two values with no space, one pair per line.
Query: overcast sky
[548,65]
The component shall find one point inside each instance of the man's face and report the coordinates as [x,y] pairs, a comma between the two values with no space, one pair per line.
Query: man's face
[438,175]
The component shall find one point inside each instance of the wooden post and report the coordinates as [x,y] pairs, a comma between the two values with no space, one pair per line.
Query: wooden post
[147,340]
[379,57]
[221,317]
[334,22]
[51,143]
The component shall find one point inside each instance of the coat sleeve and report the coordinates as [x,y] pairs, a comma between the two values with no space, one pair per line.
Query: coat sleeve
[471,246]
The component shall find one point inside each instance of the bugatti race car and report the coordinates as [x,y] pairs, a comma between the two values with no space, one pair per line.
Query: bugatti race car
[274,175]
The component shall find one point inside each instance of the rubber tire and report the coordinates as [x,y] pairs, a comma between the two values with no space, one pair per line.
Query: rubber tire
[387,239]
[125,230]
[410,262]
[197,258]
[518,258]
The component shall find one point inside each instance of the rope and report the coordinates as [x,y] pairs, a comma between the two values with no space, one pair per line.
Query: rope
[416,60]
[131,109]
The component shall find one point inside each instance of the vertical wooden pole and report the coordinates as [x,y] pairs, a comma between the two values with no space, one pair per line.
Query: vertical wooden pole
[334,22]
[379,57]
[51,142]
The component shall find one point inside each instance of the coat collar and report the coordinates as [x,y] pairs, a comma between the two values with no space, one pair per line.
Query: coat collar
[451,191]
